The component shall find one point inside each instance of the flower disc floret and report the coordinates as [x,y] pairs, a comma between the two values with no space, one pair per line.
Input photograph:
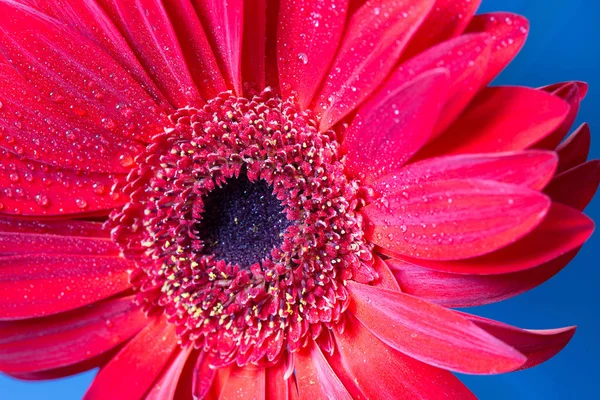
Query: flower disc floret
[245,312]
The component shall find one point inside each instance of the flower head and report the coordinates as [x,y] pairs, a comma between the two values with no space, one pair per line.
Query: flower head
[277,199]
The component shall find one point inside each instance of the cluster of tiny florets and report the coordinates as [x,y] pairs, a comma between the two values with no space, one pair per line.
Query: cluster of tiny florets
[245,314]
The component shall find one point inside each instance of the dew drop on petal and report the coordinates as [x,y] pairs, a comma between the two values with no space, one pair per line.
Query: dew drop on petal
[81,203]
[42,200]
[303,57]
[126,159]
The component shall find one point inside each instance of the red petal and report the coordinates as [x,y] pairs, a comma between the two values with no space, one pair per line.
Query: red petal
[448,18]
[272,25]
[507,36]
[386,277]
[457,290]
[430,333]
[575,149]
[41,284]
[537,345]
[196,49]
[277,387]
[577,186]
[69,370]
[131,373]
[501,119]
[223,22]
[533,169]
[254,46]
[203,377]
[307,40]
[146,26]
[445,220]
[244,384]
[39,129]
[394,124]
[316,379]
[166,386]
[67,228]
[31,188]
[374,39]
[570,93]
[90,20]
[81,79]
[372,370]
[465,58]
[582,86]
[27,243]
[69,338]
[563,230]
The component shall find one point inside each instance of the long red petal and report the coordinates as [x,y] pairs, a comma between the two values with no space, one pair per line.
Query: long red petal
[63,66]
[460,290]
[146,26]
[448,18]
[508,33]
[196,49]
[316,379]
[533,169]
[223,21]
[386,278]
[372,370]
[575,149]
[393,125]
[455,219]
[563,230]
[32,188]
[39,129]
[430,333]
[166,386]
[577,186]
[69,338]
[246,383]
[373,41]
[254,46]
[277,387]
[69,370]
[12,244]
[569,92]
[89,19]
[501,119]
[132,372]
[465,58]
[41,284]
[202,377]
[537,345]
[62,227]
[307,40]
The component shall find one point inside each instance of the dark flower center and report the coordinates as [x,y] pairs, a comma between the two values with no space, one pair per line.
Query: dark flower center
[242,222]
[244,228]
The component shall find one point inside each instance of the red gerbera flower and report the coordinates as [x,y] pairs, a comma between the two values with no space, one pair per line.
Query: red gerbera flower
[277,199]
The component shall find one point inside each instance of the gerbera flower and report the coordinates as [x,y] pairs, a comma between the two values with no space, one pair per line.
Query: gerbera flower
[277,199]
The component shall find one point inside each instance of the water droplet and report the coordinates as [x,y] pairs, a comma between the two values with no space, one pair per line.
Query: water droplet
[81,203]
[99,188]
[108,123]
[303,57]
[126,159]
[42,200]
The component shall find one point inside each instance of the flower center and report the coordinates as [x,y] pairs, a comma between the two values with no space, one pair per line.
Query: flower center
[242,222]
[244,228]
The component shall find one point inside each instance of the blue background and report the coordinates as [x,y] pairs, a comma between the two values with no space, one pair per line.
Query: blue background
[564,44]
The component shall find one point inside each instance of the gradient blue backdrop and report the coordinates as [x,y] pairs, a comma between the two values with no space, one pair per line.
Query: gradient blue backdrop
[564,44]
